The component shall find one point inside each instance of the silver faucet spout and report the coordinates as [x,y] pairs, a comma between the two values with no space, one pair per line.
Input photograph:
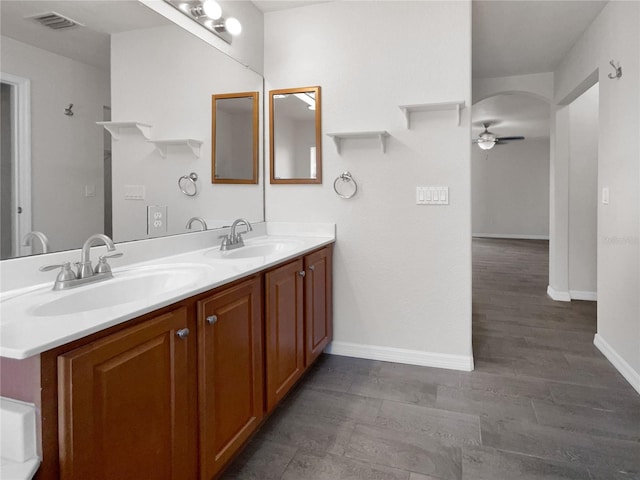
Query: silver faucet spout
[237,222]
[234,240]
[197,219]
[84,269]
[44,241]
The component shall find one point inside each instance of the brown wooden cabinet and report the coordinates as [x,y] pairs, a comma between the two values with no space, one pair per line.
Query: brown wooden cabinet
[284,330]
[318,302]
[156,401]
[298,298]
[123,404]
[230,374]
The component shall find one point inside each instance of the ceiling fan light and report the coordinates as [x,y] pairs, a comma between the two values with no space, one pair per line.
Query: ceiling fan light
[486,144]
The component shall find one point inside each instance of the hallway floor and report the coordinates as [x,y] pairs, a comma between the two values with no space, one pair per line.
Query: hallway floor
[542,403]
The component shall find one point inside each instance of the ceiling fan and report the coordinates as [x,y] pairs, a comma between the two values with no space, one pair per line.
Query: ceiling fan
[487,140]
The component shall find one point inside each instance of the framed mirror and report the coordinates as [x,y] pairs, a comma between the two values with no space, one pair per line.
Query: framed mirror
[76,179]
[295,135]
[234,130]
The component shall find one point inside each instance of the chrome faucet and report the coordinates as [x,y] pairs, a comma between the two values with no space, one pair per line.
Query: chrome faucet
[197,219]
[67,278]
[84,267]
[44,241]
[234,240]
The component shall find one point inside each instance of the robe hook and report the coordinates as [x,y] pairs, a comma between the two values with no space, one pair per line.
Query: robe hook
[68,111]
[617,68]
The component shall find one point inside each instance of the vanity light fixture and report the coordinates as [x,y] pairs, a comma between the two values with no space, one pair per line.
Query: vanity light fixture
[208,13]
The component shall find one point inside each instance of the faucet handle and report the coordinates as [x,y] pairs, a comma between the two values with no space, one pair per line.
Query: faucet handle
[103,266]
[65,271]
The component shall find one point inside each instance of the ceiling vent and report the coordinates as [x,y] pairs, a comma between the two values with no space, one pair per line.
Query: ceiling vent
[54,21]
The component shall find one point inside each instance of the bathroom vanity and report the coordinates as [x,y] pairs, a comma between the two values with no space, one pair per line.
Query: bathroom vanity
[176,391]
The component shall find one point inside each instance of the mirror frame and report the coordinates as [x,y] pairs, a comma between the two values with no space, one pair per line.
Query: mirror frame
[318,121]
[256,135]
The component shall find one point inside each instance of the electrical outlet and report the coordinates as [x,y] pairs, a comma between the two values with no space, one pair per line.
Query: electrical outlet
[156,220]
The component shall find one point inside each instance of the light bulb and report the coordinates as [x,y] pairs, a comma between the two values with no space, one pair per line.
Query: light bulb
[212,9]
[233,26]
[486,144]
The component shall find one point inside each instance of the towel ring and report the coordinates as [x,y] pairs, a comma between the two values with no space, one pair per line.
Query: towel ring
[345,177]
[188,187]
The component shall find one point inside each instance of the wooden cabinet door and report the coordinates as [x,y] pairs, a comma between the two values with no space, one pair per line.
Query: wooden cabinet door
[230,372]
[284,329]
[318,303]
[123,404]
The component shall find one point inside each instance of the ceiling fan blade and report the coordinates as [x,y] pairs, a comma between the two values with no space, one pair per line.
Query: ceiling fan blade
[506,139]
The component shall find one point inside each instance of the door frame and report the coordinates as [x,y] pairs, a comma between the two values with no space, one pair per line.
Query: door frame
[21,160]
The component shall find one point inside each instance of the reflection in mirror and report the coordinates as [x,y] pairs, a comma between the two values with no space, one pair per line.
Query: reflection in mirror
[234,130]
[295,135]
[121,62]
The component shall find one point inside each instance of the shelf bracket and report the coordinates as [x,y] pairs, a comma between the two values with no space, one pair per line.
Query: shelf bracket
[116,129]
[380,135]
[162,145]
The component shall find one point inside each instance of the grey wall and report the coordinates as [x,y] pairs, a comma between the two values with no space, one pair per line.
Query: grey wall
[510,189]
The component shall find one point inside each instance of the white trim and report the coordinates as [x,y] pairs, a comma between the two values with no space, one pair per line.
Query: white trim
[21,159]
[514,236]
[580,295]
[401,355]
[557,295]
[618,362]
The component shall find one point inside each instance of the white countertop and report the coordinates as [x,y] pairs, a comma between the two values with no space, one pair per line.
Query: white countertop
[23,334]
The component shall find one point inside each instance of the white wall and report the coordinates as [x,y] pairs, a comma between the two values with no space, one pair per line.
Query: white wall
[148,68]
[510,189]
[583,195]
[66,152]
[402,272]
[614,35]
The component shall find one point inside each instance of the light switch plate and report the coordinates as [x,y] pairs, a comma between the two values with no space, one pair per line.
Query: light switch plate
[156,220]
[432,195]
[134,192]
[605,196]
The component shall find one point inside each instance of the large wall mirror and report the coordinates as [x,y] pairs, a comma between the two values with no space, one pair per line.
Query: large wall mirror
[234,130]
[115,61]
[295,119]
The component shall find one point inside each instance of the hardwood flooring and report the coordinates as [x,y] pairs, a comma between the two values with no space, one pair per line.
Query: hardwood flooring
[542,403]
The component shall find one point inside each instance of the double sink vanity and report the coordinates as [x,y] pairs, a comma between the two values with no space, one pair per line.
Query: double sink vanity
[166,369]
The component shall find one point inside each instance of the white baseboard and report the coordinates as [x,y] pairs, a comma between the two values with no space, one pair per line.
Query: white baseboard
[617,361]
[514,236]
[401,355]
[579,295]
[557,295]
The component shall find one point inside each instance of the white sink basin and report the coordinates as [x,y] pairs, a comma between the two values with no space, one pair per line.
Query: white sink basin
[256,248]
[126,286]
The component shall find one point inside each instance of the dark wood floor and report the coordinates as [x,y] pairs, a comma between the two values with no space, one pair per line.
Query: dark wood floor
[542,403]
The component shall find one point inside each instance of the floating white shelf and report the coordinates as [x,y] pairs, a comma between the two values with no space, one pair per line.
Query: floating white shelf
[382,135]
[431,107]
[162,145]
[116,128]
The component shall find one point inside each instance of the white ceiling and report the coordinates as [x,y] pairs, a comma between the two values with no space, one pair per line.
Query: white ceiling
[88,43]
[519,37]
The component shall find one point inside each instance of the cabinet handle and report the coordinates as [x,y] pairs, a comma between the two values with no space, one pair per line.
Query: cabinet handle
[183,333]
[302,273]
[211,319]
[312,267]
